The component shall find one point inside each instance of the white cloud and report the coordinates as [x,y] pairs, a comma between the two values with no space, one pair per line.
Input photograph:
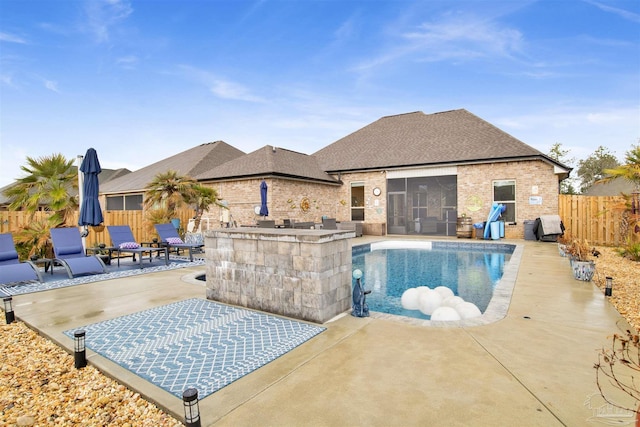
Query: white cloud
[631,16]
[11,38]
[451,37]
[51,85]
[221,87]
[102,15]
[128,62]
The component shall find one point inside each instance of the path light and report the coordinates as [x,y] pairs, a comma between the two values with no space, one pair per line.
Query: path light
[80,351]
[608,286]
[191,408]
[8,310]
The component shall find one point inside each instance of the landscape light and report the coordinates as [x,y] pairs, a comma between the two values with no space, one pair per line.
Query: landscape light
[80,351]
[191,408]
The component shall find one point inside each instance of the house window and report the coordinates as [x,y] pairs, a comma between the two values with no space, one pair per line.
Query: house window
[504,192]
[357,201]
[131,202]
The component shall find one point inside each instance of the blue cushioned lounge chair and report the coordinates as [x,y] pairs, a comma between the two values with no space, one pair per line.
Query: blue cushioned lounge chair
[170,238]
[69,253]
[124,241]
[13,271]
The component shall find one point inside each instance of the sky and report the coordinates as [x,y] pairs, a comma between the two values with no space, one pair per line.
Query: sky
[142,80]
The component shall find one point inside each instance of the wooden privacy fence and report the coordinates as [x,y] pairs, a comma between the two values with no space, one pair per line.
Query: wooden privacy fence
[601,220]
[13,221]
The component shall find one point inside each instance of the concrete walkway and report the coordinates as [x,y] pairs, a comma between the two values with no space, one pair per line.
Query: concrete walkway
[532,368]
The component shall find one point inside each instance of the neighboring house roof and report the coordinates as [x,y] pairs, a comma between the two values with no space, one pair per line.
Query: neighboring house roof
[191,162]
[418,139]
[611,188]
[270,161]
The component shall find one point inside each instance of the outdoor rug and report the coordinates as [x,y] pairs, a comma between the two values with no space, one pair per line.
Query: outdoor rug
[126,269]
[195,343]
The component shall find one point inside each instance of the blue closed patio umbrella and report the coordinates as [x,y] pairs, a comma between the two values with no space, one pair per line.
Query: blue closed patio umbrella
[264,210]
[90,211]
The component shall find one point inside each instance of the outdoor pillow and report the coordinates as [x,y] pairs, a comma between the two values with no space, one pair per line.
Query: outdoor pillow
[194,239]
[129,245]
[174,241]
[69,250]
[7,255]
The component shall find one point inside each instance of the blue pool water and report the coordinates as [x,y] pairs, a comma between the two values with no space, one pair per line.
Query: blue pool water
[470,270]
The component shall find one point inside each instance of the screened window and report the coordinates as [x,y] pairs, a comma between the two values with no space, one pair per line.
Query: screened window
[130,202]
[504,192]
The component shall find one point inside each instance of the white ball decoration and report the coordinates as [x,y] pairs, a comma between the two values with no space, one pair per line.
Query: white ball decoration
[468,310]
[452,301]
[409,299]
[429,301]
[444,292]
[445,314]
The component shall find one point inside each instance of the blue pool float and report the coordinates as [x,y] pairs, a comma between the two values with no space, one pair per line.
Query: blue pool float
[494,214]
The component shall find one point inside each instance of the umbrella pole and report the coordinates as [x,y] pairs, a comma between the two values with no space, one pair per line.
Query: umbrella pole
[81,197]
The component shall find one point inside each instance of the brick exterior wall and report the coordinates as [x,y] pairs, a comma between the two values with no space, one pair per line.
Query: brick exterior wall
[475,182]
[475,196]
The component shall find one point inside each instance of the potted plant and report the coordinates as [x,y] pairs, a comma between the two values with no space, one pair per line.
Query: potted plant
[620,365]
[579,253]
[562,246]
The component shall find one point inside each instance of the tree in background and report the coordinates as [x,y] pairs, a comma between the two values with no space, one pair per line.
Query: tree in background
[592,168]
[629,171]
[561,155]
[169,190]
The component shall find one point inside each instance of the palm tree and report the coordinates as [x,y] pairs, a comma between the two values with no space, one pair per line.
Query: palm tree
[629,171]
[205,197]
[47,186]
[169,190]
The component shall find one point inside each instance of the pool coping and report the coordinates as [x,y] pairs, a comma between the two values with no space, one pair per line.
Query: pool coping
[497,308]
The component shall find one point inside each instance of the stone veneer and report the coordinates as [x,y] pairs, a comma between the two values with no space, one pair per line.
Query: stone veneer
[303,274]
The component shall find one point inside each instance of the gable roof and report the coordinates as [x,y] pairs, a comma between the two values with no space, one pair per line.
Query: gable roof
[191,162]
[412,139]
[270,161]
[612,188]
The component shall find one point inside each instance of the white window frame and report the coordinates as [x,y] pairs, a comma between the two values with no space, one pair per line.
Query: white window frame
[506,202]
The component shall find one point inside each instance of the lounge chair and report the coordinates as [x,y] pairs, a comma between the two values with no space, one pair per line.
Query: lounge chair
[171,239]
[124,241]
[11,269]
[69,253]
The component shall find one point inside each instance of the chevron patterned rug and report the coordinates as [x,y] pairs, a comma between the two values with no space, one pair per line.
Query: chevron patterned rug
[195,343]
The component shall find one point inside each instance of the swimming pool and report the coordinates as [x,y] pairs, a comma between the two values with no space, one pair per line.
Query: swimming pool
[473,271]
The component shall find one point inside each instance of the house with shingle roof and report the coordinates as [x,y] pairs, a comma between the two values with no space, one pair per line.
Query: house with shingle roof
[126,193]
[411,173]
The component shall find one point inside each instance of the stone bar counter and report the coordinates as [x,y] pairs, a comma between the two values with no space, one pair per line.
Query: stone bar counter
[298,273]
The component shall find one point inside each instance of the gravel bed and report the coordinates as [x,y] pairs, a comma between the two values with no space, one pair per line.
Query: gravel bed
[39,386]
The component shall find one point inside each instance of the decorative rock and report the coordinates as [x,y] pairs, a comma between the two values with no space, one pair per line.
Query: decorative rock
[25,421]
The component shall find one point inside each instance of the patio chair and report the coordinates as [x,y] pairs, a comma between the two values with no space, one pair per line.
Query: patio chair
[11,269]
[171,239]
[123,241]
[329,224]
[69,253]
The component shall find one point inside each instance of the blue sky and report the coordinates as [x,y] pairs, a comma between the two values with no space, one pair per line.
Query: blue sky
[143,80]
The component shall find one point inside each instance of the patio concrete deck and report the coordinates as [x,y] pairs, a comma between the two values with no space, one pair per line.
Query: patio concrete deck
[534,367]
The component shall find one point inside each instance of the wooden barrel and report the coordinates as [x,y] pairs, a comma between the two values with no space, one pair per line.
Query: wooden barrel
[464,227]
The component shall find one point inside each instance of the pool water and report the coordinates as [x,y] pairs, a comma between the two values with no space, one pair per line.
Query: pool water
[470,270]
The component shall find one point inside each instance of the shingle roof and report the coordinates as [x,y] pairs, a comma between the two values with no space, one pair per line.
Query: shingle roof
[191,162]
[273,161]
[450,137]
